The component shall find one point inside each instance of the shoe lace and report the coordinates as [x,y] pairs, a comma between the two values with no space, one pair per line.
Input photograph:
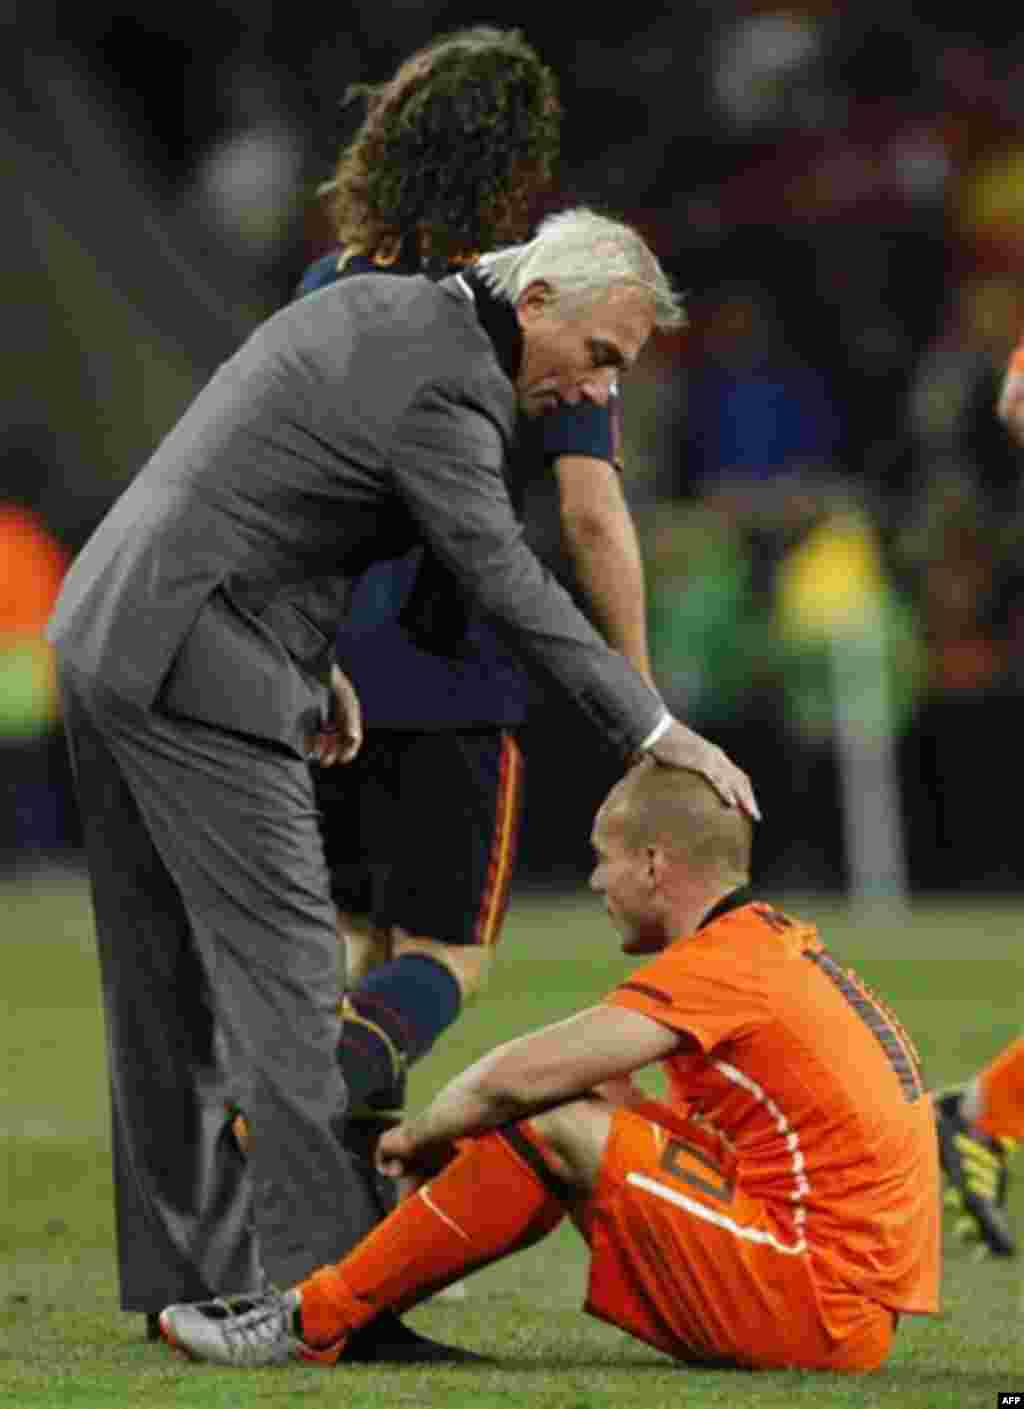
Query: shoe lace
[260,1323]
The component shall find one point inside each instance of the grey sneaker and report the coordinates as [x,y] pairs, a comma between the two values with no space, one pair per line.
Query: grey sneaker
[244,1331]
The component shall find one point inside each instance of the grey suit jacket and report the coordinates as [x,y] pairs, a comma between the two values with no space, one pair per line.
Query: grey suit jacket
[352,425]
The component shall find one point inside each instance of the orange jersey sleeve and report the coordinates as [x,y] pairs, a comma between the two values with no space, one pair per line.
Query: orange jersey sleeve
[816,1088]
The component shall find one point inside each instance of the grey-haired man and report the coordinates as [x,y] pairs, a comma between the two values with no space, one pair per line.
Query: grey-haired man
[193,635]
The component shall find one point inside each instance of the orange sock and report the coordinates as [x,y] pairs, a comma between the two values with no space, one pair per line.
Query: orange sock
[495,1197]
[1000,1093]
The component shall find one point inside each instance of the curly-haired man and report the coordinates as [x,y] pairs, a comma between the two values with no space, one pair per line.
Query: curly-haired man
[420,830]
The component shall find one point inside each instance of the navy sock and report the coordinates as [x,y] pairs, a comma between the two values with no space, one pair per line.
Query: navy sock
[391,1019]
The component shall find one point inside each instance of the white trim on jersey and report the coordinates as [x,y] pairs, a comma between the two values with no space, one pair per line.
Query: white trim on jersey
[801,1185]
[710,1215]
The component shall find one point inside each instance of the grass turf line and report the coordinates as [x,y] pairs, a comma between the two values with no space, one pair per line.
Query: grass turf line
[954,973]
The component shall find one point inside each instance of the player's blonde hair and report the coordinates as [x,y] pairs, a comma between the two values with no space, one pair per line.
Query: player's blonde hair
[679,811]
[582,255]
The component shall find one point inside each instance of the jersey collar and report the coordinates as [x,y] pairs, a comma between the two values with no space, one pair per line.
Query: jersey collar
[733,901]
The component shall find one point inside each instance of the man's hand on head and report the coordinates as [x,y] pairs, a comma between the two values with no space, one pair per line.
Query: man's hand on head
[680,747]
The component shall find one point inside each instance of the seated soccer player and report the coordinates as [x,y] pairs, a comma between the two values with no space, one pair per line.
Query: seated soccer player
[780,1209]
[980,1124]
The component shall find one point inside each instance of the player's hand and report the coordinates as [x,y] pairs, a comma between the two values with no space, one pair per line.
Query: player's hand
[341,739]
[401,1156]
[1010,407]
[394,1152]
[680,747]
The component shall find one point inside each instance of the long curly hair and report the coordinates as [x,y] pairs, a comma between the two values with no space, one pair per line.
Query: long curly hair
[453,150]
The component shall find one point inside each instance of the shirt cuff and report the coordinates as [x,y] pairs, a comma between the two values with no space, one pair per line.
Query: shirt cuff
[663,725]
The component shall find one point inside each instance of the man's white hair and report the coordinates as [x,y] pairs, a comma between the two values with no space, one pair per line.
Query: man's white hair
[582,255]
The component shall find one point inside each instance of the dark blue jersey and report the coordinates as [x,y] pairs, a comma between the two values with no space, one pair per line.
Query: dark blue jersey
[476,682]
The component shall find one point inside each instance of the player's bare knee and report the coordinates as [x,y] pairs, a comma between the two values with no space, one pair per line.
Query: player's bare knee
[576,1134]
[473,968]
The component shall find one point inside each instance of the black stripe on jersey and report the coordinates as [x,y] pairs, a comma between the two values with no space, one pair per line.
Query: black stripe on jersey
[775,919]
[880,1023]
[647,991]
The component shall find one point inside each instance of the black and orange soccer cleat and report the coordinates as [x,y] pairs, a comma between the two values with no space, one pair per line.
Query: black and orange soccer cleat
[976,1169]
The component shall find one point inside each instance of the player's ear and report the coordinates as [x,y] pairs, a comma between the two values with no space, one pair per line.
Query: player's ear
[659,864]
[655,865]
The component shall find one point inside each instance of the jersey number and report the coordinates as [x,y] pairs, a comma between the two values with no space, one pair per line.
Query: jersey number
[678,1159]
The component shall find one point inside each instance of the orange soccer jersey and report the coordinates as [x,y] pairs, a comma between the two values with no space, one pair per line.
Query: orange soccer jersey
[810,1085]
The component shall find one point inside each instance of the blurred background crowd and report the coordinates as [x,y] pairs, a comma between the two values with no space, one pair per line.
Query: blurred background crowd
[832,516]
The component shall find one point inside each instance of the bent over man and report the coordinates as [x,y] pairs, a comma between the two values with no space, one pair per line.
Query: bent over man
[193,637]
[779,1210]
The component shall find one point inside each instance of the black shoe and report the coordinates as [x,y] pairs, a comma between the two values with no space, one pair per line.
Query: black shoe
[152,1325]
[975,1165]
[386,1338]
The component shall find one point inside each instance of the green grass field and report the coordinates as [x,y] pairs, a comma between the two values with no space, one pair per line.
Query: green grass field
[955,973]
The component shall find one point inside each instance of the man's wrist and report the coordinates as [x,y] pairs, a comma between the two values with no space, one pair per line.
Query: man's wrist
[436,1125]
[662,727]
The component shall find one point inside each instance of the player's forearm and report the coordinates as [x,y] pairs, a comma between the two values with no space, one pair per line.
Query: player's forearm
[601,539]
[534,1073]
[611,574]
[460,1109]
[495,1090]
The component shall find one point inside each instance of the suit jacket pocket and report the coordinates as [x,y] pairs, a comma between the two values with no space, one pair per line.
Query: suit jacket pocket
[301,638]
[232,671]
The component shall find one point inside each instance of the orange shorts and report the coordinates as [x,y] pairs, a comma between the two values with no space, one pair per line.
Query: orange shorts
[682,1258]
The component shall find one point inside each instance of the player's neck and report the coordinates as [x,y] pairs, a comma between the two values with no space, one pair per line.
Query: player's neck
[694,908]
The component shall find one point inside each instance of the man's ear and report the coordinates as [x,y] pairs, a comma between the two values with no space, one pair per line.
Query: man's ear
[535,300]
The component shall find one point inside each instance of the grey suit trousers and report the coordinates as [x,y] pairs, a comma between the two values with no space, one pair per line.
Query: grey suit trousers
[218,957]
